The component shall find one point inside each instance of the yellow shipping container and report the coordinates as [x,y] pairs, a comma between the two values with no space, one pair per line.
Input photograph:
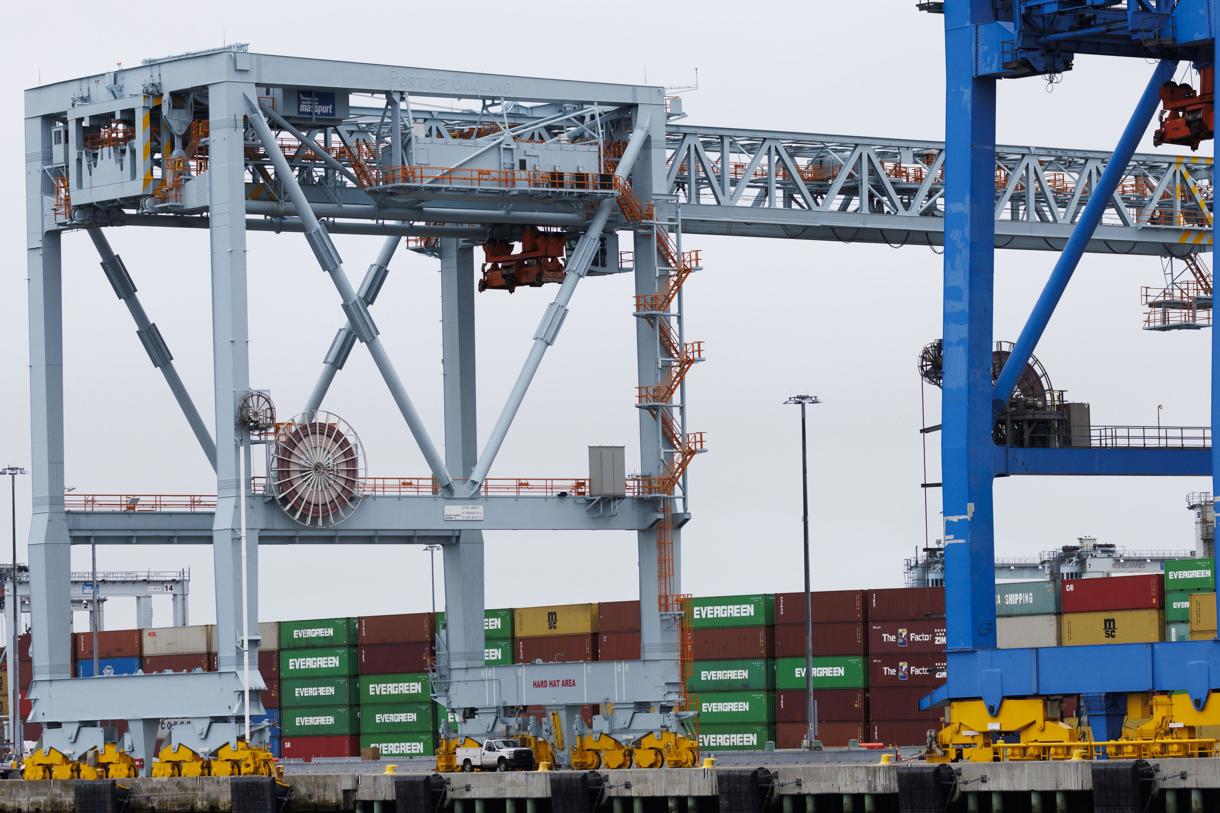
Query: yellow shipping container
[1202,615]
[1117,627]
[558,619]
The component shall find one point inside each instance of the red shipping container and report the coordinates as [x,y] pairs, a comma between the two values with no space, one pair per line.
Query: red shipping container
[828,639]
[319,747]
[901,732]
[829,606]
[886,704]
[913,669]
[837,705]
[389,659]
[175,663]
[618,616]
[906,636]
[110,644]
[31,731]
[269,664]
[271,697]
[23,646]
[1112,593]
[555,649]
[618,646]
[834,735]
[395,629]
[25,674]
[906,603]
[734,643]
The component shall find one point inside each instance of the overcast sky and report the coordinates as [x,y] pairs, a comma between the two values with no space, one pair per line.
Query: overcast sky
[843,321]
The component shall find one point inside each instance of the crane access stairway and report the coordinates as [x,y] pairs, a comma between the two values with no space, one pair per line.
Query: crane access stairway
[1185,302]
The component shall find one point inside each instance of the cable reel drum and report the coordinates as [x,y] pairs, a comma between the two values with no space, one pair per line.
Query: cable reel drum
[316,469]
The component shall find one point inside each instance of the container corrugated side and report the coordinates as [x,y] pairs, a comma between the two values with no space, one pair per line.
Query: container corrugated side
[1111,627]
[408,687]
[721,612]
[732,708]
[846,672]
[556,619]
[1021,631]
[744,737]
[1142,592]
[1202,613]
[330,662]
[317,632]
[269,631]
[1190,574]
[1177,607]
[734,675]
[319,721]
[382,718]
[401,744]
[497,623]
[498,653]
[318,691]
[1177,631]
[1026,598]
[179,640]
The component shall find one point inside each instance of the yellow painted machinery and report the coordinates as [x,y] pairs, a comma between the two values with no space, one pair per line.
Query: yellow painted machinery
[1023,729]
[178,760]
[593,751]
[1167,725]
[666,749]
[241,760]
[109,763]
[446,753]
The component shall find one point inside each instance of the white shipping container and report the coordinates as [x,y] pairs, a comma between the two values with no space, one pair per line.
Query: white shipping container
[199,639]
[270,632]
[1020,631]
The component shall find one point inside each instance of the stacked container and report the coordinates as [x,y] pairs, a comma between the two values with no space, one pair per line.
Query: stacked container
[559,633]
[118,652]
[1202,616]
[618,626]
[319,710]
[1027,614]
[1183,579]
[269,668]
[839,632]
[733,641]
[497,635]
[1114,610]
[177,649]
[906,661]
[397,715]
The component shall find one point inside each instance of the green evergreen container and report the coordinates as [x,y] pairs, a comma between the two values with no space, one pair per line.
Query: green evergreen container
[735,708]
[720,612]
[319,632]
[1177,607]
[401,744]
[1177,631]
[731,676]
[839,672]
[409,687]
[318,691]
[1027,598]
[497,624]
[320,721]
[747,737]
[1194,575]
[333,662]
[498,652]
[388,717]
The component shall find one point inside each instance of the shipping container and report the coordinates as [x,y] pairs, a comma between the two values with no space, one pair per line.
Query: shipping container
[734,644]
[271,697]
[847,638]
[618,616]
[331,662]
[108,667]
[391,659]
[556,619]
[1177,607]
[179,640]
[1022,631]
[1194,575]
[1026,598]
[900,703]
[906,603]
[1177,631]
[732,708]
[833,705]
[744,737]
[1143,592]
[722,612]
[833,734]
[409,687]
[906,636]
[497,624]
[618,646]
[23,646]
[386,717]
[110,644]
[151,664]
[401,744]
[319,721]
[269,664]
[498,653]
[731,676]
[555,649]
[900,732]
[1203,613]
[319,747]
[828,607]
[317,632]
[401,628]
[269,632]
[1112,627]
[908,669]
[319,691]
[841,672]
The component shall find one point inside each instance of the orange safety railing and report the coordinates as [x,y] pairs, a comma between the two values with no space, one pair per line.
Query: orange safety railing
[140,502]
[112,134]
[690,354]
[1167,318]
[62,209]
[1179,293]
[199,134]
[495,179]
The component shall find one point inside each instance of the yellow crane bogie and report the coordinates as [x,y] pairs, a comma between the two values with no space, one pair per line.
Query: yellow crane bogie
[673,750]
[1023,729]
[178,760]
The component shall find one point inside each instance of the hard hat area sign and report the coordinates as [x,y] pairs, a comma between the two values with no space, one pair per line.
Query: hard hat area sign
[555,683]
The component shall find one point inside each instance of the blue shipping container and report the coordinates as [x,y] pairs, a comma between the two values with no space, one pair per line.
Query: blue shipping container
[271,716]
[108,666]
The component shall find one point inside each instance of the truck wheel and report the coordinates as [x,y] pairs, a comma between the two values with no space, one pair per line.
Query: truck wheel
[467,767]
[501,764]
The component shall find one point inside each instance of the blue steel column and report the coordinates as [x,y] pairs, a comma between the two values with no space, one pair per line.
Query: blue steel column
[49,550]
[966,441]
[1215,372]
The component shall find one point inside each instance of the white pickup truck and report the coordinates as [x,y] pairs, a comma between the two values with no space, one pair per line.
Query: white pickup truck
[496,755]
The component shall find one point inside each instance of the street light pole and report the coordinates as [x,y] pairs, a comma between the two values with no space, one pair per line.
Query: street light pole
[811,705]
[14,679]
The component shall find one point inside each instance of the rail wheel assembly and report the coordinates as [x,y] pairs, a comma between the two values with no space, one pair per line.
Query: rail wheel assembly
[666,749]
[316,469]
[108,763]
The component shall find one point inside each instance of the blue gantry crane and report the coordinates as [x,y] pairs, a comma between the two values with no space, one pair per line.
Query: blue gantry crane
[1003,704]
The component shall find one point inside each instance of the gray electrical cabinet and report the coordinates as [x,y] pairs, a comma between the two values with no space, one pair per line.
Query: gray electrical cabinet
[1079,425]
[607,471]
